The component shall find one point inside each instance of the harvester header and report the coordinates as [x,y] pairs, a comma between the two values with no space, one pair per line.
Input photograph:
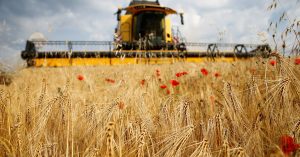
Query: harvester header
[144,35]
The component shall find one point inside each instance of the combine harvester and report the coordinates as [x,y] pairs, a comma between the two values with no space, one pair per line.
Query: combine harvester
[144,35]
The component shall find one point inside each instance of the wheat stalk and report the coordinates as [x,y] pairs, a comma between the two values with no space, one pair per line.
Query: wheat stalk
[109,139]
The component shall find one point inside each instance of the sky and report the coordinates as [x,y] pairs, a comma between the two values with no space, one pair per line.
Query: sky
[238,21]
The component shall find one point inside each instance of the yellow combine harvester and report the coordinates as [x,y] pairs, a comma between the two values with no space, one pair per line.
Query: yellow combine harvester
[144,35]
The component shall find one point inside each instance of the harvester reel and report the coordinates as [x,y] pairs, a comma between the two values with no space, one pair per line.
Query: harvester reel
[182,52]
[153,55]
[181,47]
[212,50]
[240,48]
[263,50]
[150,55]
[120,54]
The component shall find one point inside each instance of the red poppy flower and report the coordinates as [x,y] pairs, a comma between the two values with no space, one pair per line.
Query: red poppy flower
[181,74]
[217,74]
[143,82]
[273,62]
[163,86]
[174,83]
[204,72]
[80,77]
[110,80]
[184,73]
[297,61]
[178,74]
[168,91]
[288,145]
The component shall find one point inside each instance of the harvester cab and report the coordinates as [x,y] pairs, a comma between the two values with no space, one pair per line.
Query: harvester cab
[143,36]
[145,26]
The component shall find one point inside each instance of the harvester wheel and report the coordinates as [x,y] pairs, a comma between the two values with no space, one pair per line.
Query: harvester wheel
[240,48]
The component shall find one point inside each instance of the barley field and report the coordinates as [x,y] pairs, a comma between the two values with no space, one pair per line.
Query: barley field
[244,108]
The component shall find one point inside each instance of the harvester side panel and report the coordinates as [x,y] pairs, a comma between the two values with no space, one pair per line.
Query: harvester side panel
[125,28]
